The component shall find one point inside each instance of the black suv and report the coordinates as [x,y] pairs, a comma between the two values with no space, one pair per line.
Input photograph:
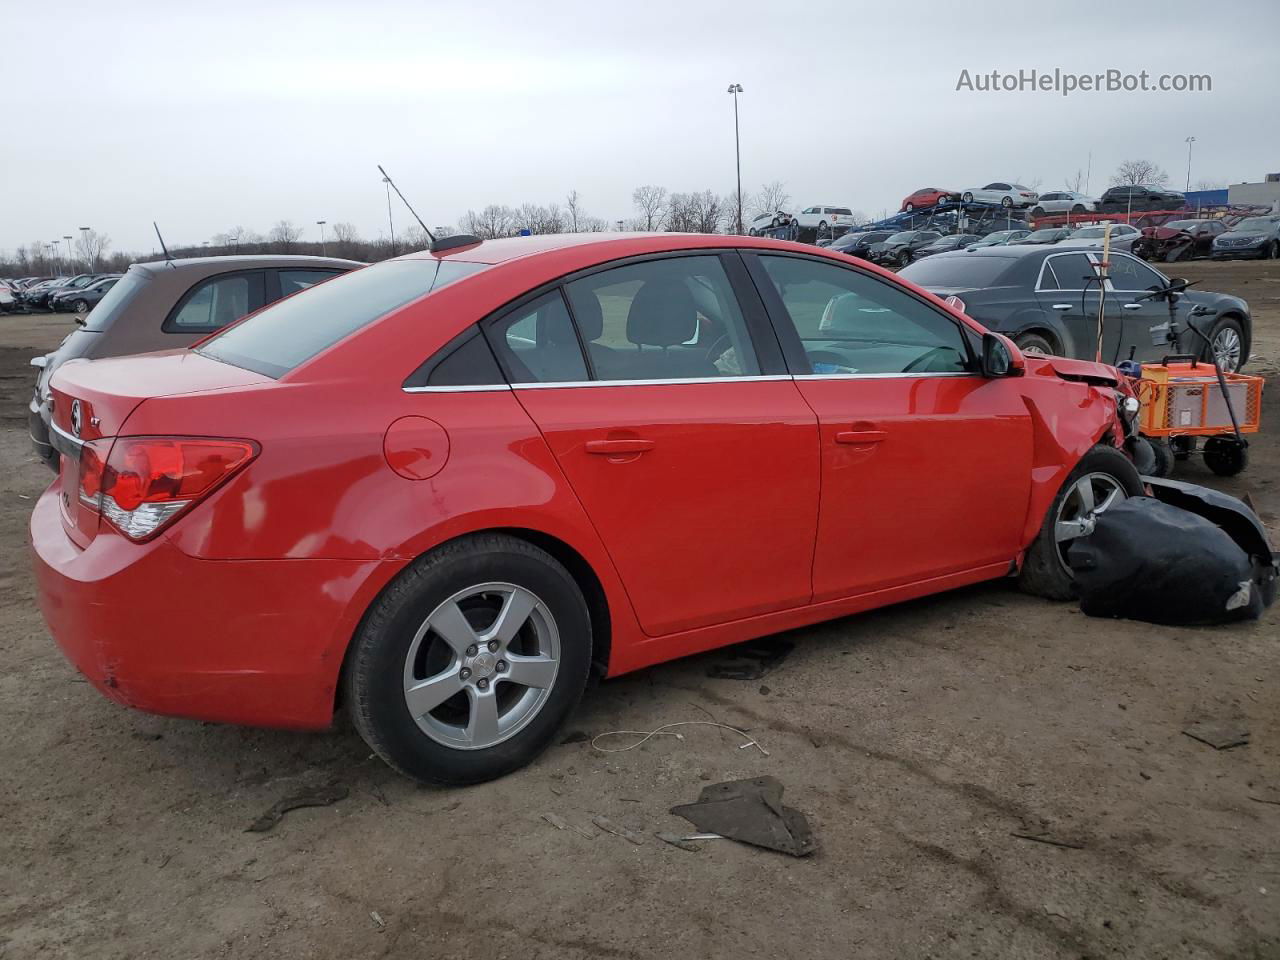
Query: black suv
[1141,197]
[899,249]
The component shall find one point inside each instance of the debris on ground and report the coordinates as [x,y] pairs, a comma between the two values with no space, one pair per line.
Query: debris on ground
[751,811]
[1148,560]
[1219,734]
[608,826]
[678,841]
[751,660]
[311,797]
[562,824]
[666,731]
[377,918]
[1049,839]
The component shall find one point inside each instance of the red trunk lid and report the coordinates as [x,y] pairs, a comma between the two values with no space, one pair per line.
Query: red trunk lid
[92,399]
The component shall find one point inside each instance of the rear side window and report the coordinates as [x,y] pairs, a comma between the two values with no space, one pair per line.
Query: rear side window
[213,303]
[538,344]
[291,281]
[291,331]
[1067,272]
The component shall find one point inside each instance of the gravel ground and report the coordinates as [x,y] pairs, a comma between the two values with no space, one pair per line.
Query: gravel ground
[918,739]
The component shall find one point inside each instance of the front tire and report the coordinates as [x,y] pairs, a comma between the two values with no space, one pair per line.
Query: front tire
[1103,476]
[908,207]
[80,306]
[470,661]
[966,197]
[1037,211]
[1036,344]
[1006,202]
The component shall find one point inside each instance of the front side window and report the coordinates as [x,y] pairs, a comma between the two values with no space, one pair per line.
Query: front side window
[851,323]
[215,302]
[671,319]
[1130,274]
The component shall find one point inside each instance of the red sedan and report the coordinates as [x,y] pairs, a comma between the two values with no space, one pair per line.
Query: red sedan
[446,489]
[927,197]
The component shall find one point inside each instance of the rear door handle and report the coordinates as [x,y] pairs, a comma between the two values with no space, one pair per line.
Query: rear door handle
[860,436]
[1133,306]
[617,448]
[1062,306]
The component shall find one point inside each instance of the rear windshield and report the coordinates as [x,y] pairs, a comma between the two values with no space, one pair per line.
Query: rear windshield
[114,302]
[279,337]
[956,271]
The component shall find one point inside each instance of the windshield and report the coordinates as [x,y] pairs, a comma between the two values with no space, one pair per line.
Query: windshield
[1256,224]
[1087,233]
[956,271]
[1182,224]
[290,331]
[903,237]
[114,301]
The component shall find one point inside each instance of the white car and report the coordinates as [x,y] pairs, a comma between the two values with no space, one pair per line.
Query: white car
[767,221]
[1005,194]
[1122,237]
[1064,201]
[824,217]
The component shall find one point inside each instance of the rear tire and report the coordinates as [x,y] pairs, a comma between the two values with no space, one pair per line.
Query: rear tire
[908,207]
[966,197]
[1078,208]
[1044,570]
[80,306]
[1006,202]
[1225,456]
[1037,211]
[1227,336]
[1165,458]
[472,719]
[1036,344]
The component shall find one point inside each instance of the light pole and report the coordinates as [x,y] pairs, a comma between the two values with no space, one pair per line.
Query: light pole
[84,238]
[320,224]
[735,89]
[390,225]
[1189,141]
[67,238]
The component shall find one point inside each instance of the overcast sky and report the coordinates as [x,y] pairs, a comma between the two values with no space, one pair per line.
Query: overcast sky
[205,116]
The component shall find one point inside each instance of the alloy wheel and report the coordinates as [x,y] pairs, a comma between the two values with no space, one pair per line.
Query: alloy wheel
[1226,349]
[1078,511]
[481,666]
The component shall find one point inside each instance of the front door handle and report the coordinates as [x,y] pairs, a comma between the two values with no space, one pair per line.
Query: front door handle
[860,436]
[1062,306]
[619,448]
[1133,306]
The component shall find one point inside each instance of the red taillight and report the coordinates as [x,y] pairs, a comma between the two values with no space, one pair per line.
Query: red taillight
[147,482]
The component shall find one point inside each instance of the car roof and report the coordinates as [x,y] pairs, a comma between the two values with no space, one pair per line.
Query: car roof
[246,262]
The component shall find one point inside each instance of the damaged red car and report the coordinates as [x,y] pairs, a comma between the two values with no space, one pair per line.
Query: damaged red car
[444,491]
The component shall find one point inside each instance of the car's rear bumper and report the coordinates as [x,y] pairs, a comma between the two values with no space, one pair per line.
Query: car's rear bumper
[255,642]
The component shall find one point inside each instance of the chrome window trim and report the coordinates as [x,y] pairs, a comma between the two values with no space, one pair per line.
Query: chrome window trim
[674,383]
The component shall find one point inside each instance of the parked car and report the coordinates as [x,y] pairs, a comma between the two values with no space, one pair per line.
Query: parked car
[1122,237]
[83,299]
[956,241]
[1063,201]
[1045,236]
[1140,197]
[36,295]
[1251,237]
[825,218]
[457,550]
[897,250]
[172,303]
[769,220]
[859,244]
[1178,240]
[7,300]
[1045,298]
[927,197]
[999,238]
[1005,194]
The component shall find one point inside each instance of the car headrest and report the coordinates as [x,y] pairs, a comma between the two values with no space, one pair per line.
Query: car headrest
[586,311]
[844,312]
[662,314]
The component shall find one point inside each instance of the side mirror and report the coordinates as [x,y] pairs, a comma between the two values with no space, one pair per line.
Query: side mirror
[1000,358]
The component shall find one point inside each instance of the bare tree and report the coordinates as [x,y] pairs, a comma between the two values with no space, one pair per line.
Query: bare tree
[284,235]
[1075,183]
[492,222]
[573,203]
[733,214]
[652,203]
[538,219]
[346,240]
[772,196]
[706,212]
[91,246]
[1133,172]
[414,238]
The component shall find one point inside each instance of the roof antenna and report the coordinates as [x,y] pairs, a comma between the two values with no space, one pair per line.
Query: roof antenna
[167,254]
[445,243]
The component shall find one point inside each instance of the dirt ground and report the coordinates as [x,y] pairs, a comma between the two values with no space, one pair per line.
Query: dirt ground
[919,740]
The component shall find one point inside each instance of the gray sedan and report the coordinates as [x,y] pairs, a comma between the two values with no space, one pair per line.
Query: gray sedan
[1047,300]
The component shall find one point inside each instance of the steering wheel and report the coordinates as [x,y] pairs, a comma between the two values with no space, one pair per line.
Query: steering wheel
[712,353]
[926,357]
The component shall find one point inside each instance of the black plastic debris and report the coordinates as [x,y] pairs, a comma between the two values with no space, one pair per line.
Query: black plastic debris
[751,660]
[1160,562]
[751,811]
[1219,734]
[311,797]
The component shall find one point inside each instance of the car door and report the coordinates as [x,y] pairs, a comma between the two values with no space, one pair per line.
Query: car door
[691,450]
[1145,324]
[1067,291]
[926,465]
